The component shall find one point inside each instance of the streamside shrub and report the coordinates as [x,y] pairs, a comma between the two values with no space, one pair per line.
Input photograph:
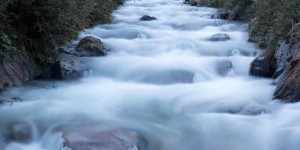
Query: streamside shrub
[38,26]
[273,21]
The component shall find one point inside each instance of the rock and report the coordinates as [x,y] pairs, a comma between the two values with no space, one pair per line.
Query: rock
[92,138]
[147,18]
[219,37]
[259,67]
[20,69]
[289,89]
[91,46]
[69,67]
[283,56]
[193,2]
[223,67]
[168,77]
[280,78]
[253,110]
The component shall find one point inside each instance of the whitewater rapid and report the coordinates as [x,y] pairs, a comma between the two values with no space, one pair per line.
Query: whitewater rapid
[160,79]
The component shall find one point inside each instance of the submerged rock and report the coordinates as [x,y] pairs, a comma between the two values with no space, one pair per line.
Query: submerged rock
[219,37]
[93,138]
[289,89]
[253,110]
[91,46]
[168,77]
[223,67]
[147,18]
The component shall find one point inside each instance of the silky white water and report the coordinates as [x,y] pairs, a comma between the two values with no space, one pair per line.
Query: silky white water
[160,80]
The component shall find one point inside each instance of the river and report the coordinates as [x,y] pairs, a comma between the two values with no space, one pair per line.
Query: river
[165,80]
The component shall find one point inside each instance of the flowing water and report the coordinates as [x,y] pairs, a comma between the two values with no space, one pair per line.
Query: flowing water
[165,80]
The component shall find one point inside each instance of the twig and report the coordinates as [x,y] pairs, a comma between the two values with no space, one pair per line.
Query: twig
[11,101]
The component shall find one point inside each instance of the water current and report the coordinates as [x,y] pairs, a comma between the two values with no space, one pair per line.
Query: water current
[165,80]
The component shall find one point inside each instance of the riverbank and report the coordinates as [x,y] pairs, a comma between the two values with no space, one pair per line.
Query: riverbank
[31,31]
[274,26]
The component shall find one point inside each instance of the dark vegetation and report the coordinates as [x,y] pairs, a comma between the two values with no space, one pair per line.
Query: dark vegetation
[270,20]
[37,27]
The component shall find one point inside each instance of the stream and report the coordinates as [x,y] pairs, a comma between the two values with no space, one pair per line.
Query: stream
[166,81]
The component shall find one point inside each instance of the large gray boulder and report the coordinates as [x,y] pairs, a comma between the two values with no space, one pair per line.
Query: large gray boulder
[91,46]
[70,67]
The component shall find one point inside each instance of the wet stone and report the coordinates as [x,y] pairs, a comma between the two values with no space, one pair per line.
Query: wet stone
[93,138]
[223,67]
[147,18]
[219,37]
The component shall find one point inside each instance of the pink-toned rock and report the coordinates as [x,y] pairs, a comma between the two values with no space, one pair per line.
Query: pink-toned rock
[289,89]
[91,46]
[95,138]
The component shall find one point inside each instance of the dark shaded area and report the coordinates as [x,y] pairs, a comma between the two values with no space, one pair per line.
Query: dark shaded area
[147,18]
[39,26]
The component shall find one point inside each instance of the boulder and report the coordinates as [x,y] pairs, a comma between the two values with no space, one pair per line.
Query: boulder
[259,67]
[289,89]
[92,138]
[147,18]
[20,69]
[223,67]
[219,37]
[70,67]
[91,46]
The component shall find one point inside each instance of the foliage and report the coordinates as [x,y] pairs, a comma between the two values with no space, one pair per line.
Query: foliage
[270,20]
[7,48]
[38,26]
[274,19]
